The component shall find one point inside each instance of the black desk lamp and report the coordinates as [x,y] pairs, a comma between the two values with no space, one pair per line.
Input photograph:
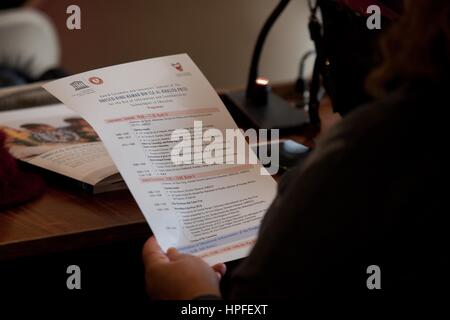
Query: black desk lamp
[263,108]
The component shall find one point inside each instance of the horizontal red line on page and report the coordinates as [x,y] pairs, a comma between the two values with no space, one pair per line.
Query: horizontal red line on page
[218,172]
[162,115]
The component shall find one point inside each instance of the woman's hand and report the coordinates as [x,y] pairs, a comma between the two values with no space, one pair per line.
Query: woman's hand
[177,276]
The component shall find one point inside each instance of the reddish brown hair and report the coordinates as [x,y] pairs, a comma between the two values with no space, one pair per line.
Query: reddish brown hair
[416,47]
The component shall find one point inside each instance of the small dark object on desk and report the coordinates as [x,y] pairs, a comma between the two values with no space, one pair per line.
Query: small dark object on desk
[275,114]
[16,187]
[290,153]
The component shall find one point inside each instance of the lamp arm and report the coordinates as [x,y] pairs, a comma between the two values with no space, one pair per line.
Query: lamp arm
[259,45]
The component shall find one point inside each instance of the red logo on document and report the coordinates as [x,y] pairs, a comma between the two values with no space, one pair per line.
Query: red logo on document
[178,66]
[95,80]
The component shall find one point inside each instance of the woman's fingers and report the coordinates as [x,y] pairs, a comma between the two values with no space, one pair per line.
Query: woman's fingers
[174,254]
[220,268]
[152,253]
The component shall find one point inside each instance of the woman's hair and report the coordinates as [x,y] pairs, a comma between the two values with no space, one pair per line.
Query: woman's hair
[416,47]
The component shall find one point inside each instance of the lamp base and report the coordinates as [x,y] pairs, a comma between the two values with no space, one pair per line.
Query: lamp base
[275,114]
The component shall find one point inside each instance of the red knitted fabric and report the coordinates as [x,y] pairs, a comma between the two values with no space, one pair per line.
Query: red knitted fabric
[16,187]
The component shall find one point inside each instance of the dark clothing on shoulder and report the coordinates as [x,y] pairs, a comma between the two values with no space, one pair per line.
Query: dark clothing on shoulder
[372,193]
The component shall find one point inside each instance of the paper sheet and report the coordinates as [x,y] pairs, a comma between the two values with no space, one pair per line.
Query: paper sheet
[210,210]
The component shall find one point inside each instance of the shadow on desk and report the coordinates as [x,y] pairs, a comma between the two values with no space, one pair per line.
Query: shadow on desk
[109,274]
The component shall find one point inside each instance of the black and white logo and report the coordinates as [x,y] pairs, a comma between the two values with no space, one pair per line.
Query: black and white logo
[79,85]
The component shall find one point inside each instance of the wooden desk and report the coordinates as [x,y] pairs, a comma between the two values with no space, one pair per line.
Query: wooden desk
[66,219]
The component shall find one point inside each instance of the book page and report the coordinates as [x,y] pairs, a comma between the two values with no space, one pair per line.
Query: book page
[57,139]
[209,209]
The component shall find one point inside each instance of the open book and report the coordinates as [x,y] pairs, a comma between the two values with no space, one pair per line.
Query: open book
[57,139]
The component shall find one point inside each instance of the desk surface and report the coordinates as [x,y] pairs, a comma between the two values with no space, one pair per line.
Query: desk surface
[65,218]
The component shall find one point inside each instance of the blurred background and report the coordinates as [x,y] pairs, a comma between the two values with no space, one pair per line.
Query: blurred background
[218,35]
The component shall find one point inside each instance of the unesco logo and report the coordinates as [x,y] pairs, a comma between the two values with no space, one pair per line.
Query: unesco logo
[79,85]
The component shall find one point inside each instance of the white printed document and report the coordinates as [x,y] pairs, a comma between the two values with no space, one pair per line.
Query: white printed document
[161,120]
